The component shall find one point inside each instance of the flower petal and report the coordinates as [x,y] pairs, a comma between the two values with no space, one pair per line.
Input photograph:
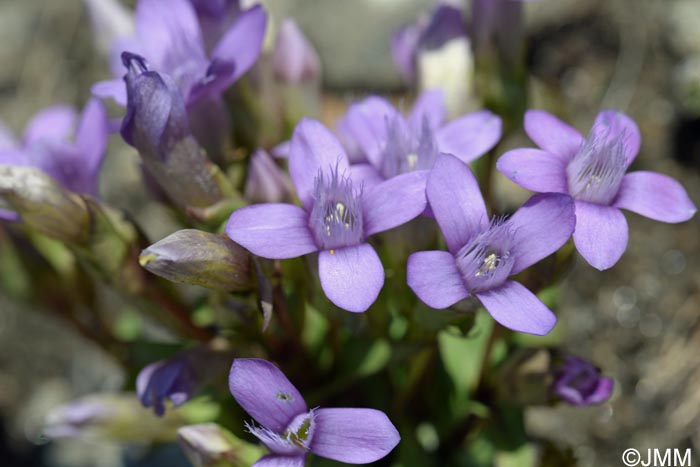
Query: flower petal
[113,89]
[243,41]
[614,124]
[313,148]
[351,277]
[535,170]
[265,393]
[540,227]
[365,175]
[281,461]
[366,122]
[430,105]
[601,234]
[53,125]
[275,231]
[655,196]
[434,278]
[516,308]
[354,436]
[394,202]
[470,136]
[456,201]
[551,134]
[91,138]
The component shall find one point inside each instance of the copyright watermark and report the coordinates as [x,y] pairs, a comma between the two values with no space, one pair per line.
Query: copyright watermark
[657,458]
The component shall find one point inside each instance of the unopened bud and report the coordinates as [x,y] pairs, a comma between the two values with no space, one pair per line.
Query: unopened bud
[210,445]
[266,182]
[294,59]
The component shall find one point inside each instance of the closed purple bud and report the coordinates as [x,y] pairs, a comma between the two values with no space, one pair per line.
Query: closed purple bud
[294,59]
[267,182]
[578,382]
[200,258]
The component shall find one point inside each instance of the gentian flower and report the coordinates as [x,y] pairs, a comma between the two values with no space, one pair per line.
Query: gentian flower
[579,382]
[393,144]
[482,254]
[336,218]
[290,430]
[169,37]
[71,154]
[294,59]
[179,378]
[266,182]
[592,170]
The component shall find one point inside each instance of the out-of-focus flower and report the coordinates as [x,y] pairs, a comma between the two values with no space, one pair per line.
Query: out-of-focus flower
[71,154]
[112,24]
[290,430]
[394,145]
[179,378]
[156,124]
[579,382]
[215,18]
[483,255]
[267,182]
[209,445]
[169,36]
[294,59]
[592,170]
[336,218]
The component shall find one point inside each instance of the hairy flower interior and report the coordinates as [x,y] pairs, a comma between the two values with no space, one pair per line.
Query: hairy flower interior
[336,216]
[406,151]
[296,438]
[596,171]
[485,262]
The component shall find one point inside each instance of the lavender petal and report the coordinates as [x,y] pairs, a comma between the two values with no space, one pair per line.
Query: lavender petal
[52,125]
[655,196]
[470,136]
[434,278]
[516,308]
[613,124]
[551,134]
[431,105]
[535,170]
[394,202]
[601,234]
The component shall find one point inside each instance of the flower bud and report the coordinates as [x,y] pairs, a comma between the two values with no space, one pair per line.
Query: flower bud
[266,182]
[579,382]
[194,257]
[294,59]
[43,204]
[210,445]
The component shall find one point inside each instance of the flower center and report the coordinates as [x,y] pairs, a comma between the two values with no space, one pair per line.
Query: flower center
[296,438]
[596,171]
[336,216]
[485,262]
[405,151]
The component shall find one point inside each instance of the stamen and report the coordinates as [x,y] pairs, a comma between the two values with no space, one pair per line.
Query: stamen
[485,262]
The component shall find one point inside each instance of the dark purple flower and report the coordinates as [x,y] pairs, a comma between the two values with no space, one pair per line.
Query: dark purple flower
[393,144]
[294,59]
[336,218]
[483,255]
[592,170]
[68,148]
[290,430]
[444,23]
[580,383]
[169,37]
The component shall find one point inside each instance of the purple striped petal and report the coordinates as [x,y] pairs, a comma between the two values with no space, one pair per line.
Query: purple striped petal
[540,227]
[351,277]
[313,148]
[354,436]
[265,393]
[535,170]
[551,134]
[113,89]
[366,122]
[281,461]
[516,308]
[429,105]
[601,234]
[394,202]
[655,196]
[52,125]
[242,43]
[612,124]
[456,201]
[275,231]
[470,136]
[434,278]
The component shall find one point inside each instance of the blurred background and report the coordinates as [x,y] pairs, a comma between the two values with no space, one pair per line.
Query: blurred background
[640,321]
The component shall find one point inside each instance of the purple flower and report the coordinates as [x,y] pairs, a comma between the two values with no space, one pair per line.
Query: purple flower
[68,148]
[294,59]
[336,218]
[592,170]
[444,23]
[482,254]
[169,36]
[393,144]
[580,383]
[266,182]
[290,430]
